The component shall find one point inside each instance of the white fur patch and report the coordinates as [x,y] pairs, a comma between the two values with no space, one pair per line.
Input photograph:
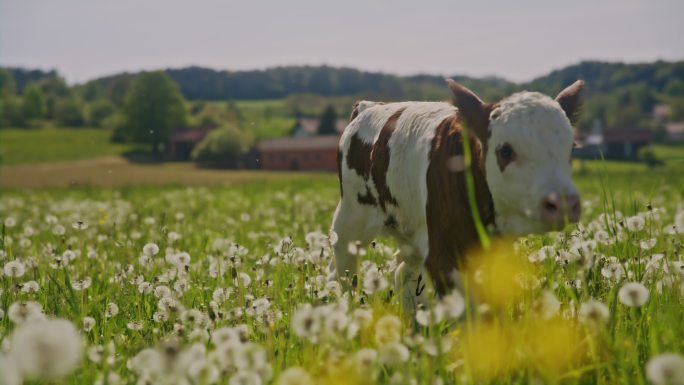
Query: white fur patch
[541,136]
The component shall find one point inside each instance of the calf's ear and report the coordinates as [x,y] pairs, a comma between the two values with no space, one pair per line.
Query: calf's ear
[472,110]
[570,101]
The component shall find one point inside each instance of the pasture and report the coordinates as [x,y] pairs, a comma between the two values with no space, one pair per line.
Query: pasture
[227,285]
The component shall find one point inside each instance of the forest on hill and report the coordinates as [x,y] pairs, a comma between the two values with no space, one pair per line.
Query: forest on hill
[616,94]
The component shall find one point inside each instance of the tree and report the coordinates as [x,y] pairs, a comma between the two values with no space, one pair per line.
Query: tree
[224,146]
[68,113]
[33,103]
[100,111]
[152,107]
[7,91]
[328,122]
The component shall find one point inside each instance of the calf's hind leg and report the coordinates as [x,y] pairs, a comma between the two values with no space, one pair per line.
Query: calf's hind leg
[351,224]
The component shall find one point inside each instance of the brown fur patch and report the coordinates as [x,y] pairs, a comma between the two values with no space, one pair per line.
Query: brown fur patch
[367,198]
[570,101]
[355,111]
[339,169]
[380,157]
[451,228]
[359,156]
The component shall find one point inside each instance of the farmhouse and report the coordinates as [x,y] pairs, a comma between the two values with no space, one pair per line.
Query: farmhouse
[299,153]
[309,127]
[624,143]
[613,143]
[183,140]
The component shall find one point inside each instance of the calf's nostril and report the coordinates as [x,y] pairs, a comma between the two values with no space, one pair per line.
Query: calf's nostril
[550,207]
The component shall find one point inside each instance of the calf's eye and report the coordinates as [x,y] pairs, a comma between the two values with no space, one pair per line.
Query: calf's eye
[504,155]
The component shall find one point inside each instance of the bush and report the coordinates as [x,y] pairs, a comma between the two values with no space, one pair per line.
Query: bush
[225,147]
[68,113]
[100,111]
[648,156]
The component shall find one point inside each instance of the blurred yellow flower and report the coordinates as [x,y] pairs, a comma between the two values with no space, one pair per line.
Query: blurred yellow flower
[498,276]
[488,352]
[552,347]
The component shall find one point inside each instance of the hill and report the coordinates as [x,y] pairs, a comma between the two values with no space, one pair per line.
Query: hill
[617,94]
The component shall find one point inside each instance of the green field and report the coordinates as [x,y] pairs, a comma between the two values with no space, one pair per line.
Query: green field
[20,146]
[223,299]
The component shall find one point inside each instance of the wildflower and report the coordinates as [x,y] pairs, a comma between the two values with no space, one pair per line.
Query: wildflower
[79,225]
[245,377]
[88,323]
[151,249]
[9,373]
[81,284]
[666,369]
[95,353]
[135,325]
[202,371]
[144,288]
[613,270]
[437,346]
[162,291]
[30,287]
[14,269]
[647,244]
[173,236]
[635,223]
[393,354]
[543,254]
[548,305]
[593,312]
[452,305]
[20,312]
[633,294]
[294,376]
[47,350]
[374,281]
[305,323]
[10,222]
[387,329]
[111,310]
[428,317]
[356,248]
[221,294]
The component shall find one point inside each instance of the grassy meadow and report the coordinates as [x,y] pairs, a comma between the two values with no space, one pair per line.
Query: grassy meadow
[228,285]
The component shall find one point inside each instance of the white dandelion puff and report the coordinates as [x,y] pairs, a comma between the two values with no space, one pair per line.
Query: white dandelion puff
[47,350]
[151,249]
[111,310]
[593,312]
[387,329]
[82,284]
[635,223]
[294,376]
[666,369]
[88,324]
[393,354]
[14,269]
[633,294]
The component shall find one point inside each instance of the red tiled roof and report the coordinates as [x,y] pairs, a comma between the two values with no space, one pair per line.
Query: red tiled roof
[310,125]
[189,134]
[320,142]
[627,135]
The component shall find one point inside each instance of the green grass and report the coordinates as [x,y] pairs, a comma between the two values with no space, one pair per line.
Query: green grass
[210,222]
[20,146]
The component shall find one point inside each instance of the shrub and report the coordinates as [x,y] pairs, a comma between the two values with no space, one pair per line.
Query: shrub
[225,147]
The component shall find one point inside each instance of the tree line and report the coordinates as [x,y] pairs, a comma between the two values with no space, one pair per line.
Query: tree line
[617,94]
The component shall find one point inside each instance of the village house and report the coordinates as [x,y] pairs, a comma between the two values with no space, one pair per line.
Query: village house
[304,150]
[183,140]
[315,153]
[613,143]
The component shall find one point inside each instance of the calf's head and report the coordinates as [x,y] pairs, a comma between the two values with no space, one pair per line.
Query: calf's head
[528,140]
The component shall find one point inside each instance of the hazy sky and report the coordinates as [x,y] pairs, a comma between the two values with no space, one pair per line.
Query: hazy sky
[516,39]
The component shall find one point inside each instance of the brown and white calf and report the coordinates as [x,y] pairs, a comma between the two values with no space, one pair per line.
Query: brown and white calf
[402,173]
